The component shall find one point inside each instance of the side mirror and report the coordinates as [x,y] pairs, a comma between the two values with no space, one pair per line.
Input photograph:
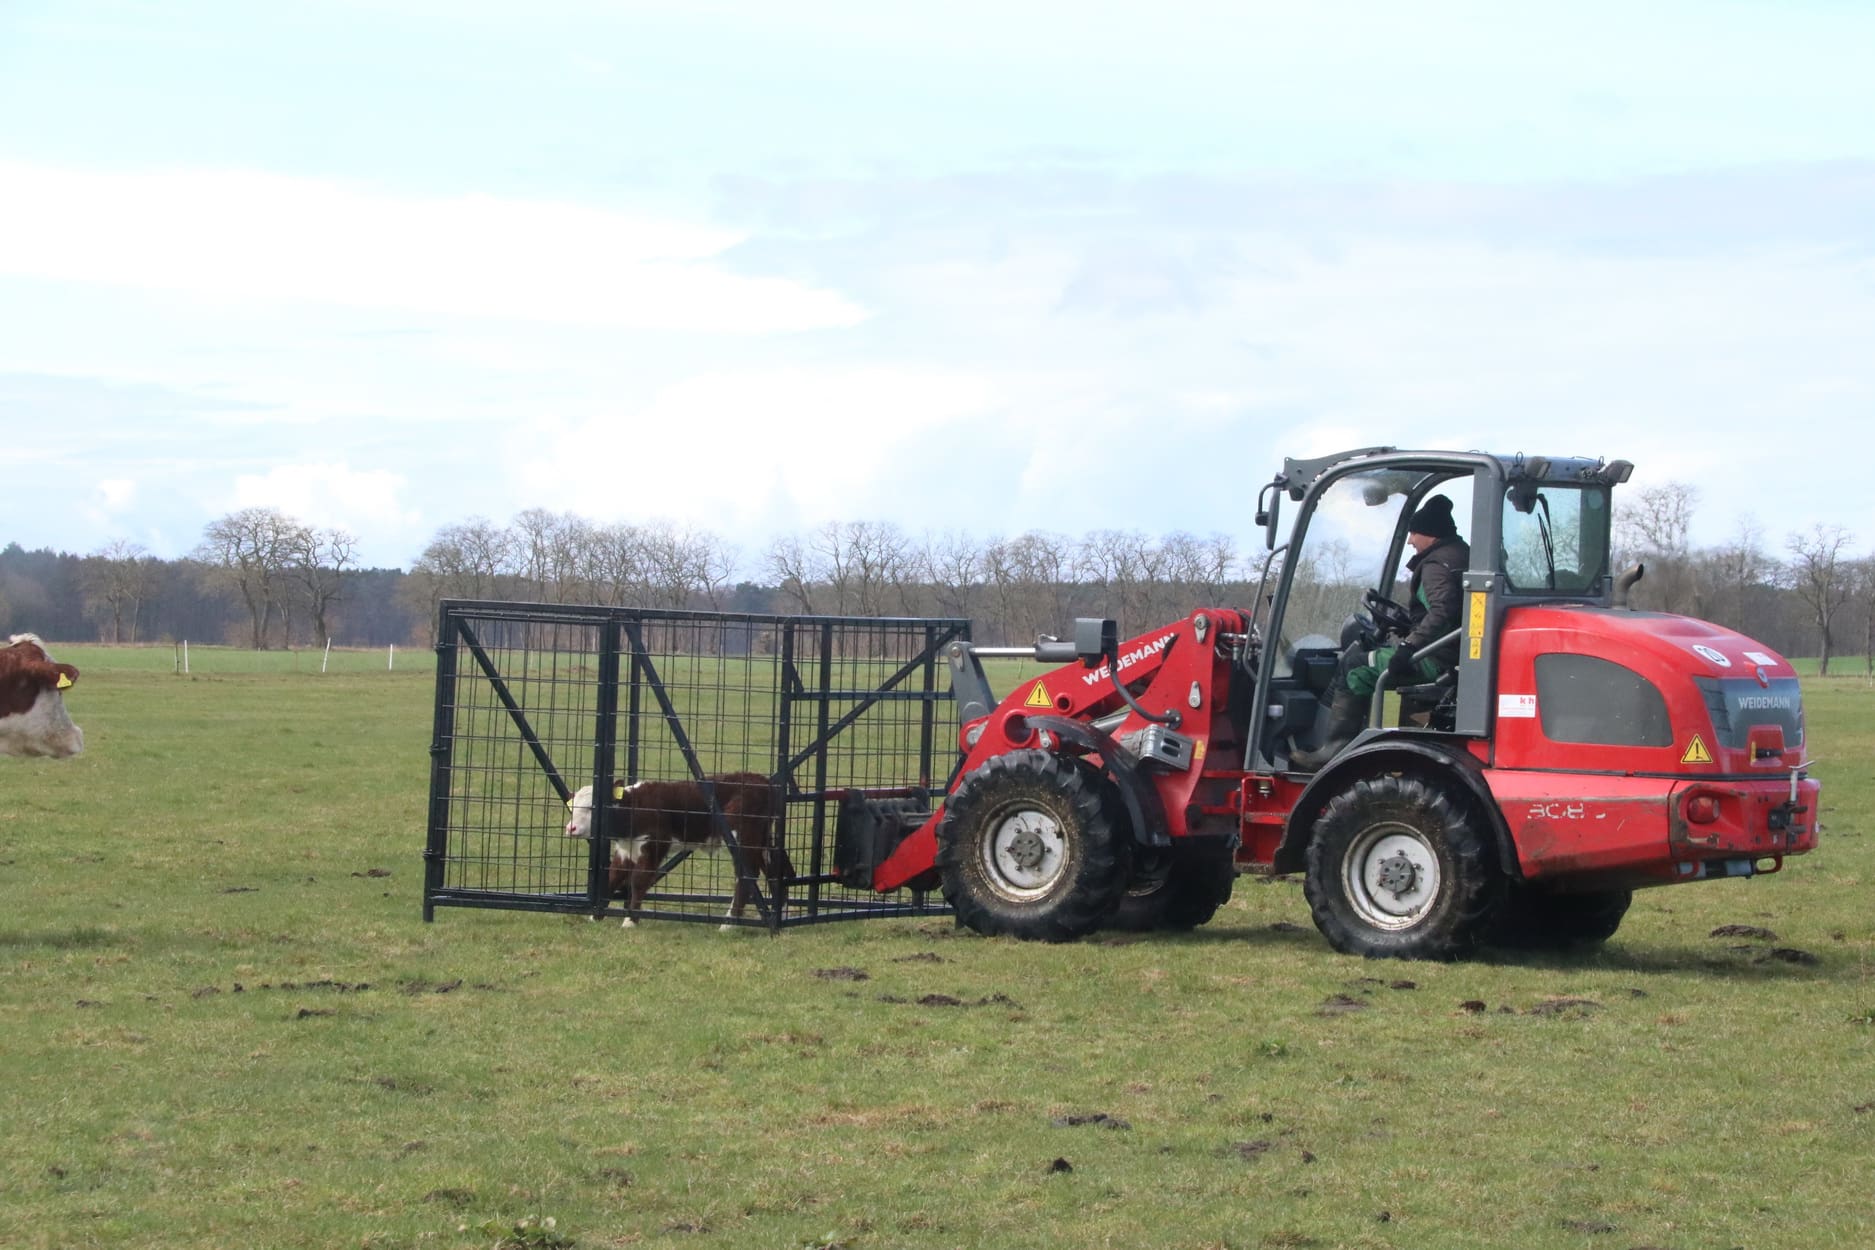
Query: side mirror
[1269,511]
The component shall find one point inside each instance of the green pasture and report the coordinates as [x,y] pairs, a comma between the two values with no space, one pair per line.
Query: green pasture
[225,1024]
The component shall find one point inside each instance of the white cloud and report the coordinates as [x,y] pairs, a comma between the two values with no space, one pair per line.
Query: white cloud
[328,495]
[110,498]
[114,494]
[263,237]
[728,451]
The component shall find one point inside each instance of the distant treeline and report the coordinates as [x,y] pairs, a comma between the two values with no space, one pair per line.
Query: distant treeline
[261,579]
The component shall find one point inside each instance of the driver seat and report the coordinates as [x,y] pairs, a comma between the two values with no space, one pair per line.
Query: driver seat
[1432,704]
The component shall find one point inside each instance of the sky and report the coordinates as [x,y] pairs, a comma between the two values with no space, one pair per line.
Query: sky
[983,268]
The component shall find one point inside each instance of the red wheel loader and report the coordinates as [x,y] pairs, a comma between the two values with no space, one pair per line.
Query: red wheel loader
[1577,750]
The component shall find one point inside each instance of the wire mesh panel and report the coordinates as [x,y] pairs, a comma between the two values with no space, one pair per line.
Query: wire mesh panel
[718,745]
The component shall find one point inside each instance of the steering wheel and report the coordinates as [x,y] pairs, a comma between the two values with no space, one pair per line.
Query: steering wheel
[1388,614]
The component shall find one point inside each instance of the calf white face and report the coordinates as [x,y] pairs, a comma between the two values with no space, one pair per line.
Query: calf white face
[579,813]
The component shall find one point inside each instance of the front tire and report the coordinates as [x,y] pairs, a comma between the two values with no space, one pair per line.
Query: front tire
[1030,848]
[1397,869]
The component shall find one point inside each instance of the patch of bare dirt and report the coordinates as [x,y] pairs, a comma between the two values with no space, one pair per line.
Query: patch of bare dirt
[1564,1007]
[1099,1119]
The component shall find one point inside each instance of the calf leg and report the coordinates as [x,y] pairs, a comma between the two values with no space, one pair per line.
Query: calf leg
[644,874]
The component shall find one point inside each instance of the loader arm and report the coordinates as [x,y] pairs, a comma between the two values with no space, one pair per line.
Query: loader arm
[1171,674]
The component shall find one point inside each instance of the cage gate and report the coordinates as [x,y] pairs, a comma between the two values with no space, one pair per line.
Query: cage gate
[534,701]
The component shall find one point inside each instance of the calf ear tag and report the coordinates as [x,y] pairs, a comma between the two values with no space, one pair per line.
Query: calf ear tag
[65,682]
[618,791]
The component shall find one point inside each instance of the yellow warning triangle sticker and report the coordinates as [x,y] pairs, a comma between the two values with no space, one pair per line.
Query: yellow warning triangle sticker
[1696,752]
[1038,697]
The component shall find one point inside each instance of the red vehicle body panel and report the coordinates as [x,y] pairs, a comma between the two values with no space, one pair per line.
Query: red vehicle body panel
[1583,807]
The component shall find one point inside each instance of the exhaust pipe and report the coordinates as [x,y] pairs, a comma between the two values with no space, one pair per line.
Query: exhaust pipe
[1625,583]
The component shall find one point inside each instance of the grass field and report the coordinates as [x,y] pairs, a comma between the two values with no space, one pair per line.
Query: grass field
[225,1024]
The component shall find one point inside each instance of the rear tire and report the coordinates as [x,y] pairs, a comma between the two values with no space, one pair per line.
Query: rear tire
[1181,890]
[1029,848]
[1396,869]
[1538,919]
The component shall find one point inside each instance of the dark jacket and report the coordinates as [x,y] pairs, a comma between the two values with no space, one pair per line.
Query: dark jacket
[1436,603]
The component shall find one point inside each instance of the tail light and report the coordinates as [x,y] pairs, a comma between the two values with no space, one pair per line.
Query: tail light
[1702,809]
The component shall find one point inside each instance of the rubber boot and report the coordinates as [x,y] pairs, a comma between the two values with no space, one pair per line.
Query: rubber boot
[1344,721]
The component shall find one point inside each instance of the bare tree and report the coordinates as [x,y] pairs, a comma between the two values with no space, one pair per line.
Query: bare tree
[469,560]
[1734,573]
[1002,584]
[792,566]
[1126,566]
[952,566]
[320,560]
[117,578]
[717,561]
[834,562]
[249,550]
[1044,566]
[547,551]
[1863,581]
[685,565]
[1821,573]
[879,566]
[1199,568]
[613,564]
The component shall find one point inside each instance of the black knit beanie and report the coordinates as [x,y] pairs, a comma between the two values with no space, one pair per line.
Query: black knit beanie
[1434,518]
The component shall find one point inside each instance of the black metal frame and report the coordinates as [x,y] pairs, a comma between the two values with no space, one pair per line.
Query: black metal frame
[824,706]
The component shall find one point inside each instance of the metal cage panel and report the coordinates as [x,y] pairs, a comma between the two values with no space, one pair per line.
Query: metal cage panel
[534,701]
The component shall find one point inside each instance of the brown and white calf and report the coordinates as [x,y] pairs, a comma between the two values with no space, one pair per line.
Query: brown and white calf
[646,819]
[33,719]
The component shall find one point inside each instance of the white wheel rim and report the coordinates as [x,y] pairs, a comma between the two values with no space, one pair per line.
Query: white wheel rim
[1391,876]
[1025,854]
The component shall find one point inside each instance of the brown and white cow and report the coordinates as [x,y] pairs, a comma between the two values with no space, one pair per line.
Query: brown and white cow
[33,719]
[646,819]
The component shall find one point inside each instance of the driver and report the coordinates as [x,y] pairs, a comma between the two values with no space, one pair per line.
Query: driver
[1434,608]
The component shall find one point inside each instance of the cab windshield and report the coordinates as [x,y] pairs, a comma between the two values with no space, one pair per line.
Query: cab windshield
[1555,538]
[1354,533]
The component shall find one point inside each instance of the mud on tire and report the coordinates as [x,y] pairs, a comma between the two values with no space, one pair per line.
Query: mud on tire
[1400,868]
[1030,847]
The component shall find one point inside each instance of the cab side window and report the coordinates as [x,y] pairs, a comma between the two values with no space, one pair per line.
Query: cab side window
[1584,698]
